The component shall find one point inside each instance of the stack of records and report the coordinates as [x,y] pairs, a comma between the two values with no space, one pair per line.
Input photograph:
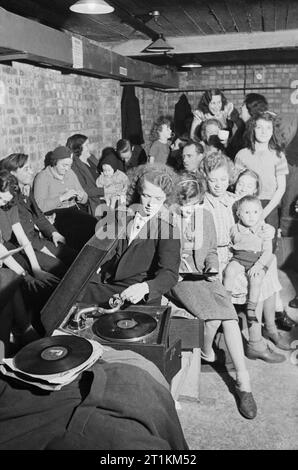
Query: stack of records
[51,363]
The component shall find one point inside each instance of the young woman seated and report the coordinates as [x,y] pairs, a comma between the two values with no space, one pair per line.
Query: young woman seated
[49,245]
[205,296]
[144,264]
[39,282]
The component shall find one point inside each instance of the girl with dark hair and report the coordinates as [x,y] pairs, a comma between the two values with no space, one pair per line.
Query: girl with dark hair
[263,155]
[84,165]
[213,104]
[206,297]
[80,147]
[253,105]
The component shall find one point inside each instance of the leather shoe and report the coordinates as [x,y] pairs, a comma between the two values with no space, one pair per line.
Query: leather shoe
[283,321]
[277,339]
[246,404]
[267,355]
[294,302]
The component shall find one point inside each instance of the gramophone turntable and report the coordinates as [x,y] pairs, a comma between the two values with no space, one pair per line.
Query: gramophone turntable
[143,329]
[146,334]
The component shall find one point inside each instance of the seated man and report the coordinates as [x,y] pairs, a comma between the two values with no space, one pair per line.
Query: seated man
[121,402]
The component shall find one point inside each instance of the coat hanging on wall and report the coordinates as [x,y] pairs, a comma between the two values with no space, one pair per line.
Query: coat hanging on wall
[182,116]
[131,116]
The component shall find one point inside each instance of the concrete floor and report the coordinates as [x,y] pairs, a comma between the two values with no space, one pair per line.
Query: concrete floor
[214,422]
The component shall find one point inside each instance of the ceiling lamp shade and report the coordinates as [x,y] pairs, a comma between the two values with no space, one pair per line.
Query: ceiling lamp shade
[91,7]
[159,45]
[191,65]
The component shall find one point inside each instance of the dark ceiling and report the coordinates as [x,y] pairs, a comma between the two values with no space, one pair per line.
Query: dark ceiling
[193,21]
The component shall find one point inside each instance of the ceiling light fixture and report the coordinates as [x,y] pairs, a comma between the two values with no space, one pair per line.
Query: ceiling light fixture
[91,7]
[159,45]
[191,65]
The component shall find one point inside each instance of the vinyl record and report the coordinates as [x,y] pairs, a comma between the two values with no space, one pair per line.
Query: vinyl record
[53,355]
[124,326]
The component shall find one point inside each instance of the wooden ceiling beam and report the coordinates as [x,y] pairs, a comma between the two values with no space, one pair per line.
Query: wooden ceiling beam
[47,46]
[133,21]
[216,43]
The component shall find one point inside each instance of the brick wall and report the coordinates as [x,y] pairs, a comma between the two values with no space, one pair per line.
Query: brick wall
[240,80]
[235,80]
[152,105]
[40,108]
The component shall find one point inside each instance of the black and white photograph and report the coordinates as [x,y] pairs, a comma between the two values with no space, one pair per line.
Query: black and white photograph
[148,230]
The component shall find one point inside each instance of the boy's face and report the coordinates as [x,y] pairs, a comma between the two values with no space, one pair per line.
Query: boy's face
[246,186]
[165,132]
[107,170]
[249,213]
[218,181]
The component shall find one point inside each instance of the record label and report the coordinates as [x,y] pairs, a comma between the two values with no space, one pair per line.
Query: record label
[53,355]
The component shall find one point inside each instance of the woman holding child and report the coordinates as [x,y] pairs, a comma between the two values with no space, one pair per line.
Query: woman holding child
[219,174]
[207,298]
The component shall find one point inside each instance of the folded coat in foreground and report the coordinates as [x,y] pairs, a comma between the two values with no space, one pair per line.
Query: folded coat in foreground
[112,406]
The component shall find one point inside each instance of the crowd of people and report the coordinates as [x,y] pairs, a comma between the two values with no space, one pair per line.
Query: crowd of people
[208,202]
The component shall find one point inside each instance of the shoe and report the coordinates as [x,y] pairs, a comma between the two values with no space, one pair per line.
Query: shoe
[277,339]
[294,302]
[210,358]
[246,404]
[267,355]
[283,321]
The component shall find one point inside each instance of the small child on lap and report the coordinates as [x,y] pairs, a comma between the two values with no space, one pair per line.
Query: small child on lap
[113,181]
[252,251]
